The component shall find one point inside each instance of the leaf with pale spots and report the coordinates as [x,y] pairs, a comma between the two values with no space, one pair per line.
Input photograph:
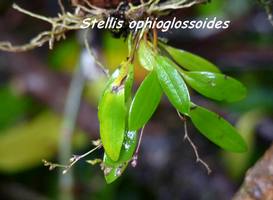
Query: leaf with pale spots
[113,169]
[146,55]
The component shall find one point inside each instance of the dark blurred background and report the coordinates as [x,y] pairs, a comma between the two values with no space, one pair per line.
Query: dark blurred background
[33,91]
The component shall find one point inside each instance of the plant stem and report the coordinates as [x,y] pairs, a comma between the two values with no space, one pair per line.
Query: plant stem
[155,38]
[72,104]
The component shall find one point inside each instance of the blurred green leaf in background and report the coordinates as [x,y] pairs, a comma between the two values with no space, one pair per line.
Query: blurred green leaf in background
[12,107]
[26,144]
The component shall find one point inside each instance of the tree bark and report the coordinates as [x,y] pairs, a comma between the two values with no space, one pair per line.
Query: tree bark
[258,183]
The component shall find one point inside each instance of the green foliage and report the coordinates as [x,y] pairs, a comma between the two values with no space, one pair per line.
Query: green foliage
[146,56]
[112,113]
[216,86]
[114,169]
[113,55]
[12,107]
[25,145]
[120,117]
[191,61]
[145,102]
[65,55]
[216,129]
[173,84]
[129,83]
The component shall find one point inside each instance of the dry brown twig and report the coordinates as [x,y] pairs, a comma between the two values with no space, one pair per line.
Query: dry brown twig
[66,21]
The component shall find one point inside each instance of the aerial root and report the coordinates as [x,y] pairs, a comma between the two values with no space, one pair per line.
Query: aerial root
[195,149]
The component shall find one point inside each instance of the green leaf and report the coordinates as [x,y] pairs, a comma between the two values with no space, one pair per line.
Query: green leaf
[145,102]
[65,55]
[114,50]
[114,169]
[216,129]
[129,83]
[236,164]
[112,113]
[25,145]
[173,84]
[12,106]
[146,56]
[112,78]
[216,86]
[191,61]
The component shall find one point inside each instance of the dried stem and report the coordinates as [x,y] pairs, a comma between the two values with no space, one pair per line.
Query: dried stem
[41,17]
[92,54]
[187,138]
[67,21]
[73,160]
[94,7]
[155,38]
[161,7]
[60,25]
[61,5]
[76,158]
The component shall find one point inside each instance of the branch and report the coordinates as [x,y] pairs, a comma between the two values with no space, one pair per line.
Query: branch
[66,21]
[258,183]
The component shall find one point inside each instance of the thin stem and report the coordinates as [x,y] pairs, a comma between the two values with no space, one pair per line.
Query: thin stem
[140,139]
[61,5]
[67,21]
[186,137]
[174,6]
[135,157]
[76,158]
[155,38]
[137,39]
[16,7]
[94,7]
[92,54]
[72,104]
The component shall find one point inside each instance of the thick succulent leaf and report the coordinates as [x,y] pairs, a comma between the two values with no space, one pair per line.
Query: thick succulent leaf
[173,84]
[112,113]
[114,169]
[218,130]
[146,55]
[216,86]
[145,102]
[191,61]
